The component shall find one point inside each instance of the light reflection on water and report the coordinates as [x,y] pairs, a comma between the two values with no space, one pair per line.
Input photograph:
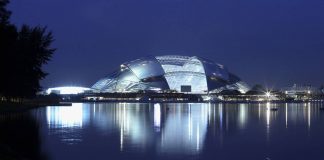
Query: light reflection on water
[67,121]
[173,129]
[185,129]
[67,117]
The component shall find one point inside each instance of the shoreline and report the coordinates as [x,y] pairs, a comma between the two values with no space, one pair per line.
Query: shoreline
[12,107]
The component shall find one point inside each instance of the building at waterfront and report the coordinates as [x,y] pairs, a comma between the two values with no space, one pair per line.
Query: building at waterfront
[300,92]
[173,73]
[65,90]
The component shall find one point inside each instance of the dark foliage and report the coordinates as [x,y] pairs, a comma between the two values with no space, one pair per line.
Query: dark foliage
[23,52]
[4,13]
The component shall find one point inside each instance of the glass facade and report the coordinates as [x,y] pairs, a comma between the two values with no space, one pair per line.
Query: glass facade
[170,72]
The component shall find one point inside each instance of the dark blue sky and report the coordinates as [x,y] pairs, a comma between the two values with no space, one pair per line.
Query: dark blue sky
[272,42]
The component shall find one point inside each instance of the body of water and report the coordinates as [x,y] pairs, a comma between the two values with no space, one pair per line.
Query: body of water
[129,131]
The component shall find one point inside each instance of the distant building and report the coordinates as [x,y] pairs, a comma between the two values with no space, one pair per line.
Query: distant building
[65,90]
[299,91]
[178,73]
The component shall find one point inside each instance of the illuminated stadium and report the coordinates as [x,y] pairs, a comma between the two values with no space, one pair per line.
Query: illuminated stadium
[170,73]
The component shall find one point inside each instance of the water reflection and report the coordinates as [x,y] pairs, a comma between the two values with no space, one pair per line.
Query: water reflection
[67,116]
[185,128]
[20,137]
[157,117]
[176,129]
[67,121]
[242,115]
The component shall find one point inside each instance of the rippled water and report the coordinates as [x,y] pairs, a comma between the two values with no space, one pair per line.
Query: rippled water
[167,131]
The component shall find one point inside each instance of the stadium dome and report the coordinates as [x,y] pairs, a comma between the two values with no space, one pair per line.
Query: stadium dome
[171,72]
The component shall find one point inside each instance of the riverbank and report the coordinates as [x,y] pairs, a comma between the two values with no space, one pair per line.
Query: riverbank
[6,107]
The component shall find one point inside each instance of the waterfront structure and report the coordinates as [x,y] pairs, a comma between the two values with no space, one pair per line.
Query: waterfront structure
[300,92]
[182,74]
[66,90]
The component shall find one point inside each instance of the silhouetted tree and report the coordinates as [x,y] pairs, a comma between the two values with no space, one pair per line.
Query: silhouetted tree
[23,52]
[33,49]
[8,35]
[4,13]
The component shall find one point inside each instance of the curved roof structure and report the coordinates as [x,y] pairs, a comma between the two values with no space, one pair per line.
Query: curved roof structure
[171,72]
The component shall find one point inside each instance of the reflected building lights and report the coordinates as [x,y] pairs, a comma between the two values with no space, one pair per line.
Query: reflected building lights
[242,115]
[197,148]
[220,112]
[157,117]
[178,137]
[131,121]
[309,114]
[121,139]
[268,121]
[189,124]
[70,116]
[259,110]
[68,120]
[180,129]
[286,107]
[209,113]
[268,114]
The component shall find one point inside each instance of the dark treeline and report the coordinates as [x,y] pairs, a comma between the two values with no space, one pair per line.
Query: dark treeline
[23,52]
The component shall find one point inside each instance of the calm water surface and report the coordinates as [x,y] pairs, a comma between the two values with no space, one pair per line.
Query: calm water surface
[166,131]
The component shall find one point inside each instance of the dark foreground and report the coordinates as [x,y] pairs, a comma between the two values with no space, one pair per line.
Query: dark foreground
[165,131]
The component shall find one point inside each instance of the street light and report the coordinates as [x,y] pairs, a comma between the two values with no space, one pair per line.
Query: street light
[268,94]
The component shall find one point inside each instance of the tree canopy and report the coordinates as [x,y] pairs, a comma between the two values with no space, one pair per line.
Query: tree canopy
[23,52]
[4,13]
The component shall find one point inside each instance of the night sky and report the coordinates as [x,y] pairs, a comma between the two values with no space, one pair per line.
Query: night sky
[272,42]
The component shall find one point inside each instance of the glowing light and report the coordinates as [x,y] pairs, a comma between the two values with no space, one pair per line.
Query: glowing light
[67,90]
[157,117]
[59,117]
[268,94]
[207,98]
[286,115]
[309,115]
[268,121]
[121,139]
[268,114]
[242,115]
